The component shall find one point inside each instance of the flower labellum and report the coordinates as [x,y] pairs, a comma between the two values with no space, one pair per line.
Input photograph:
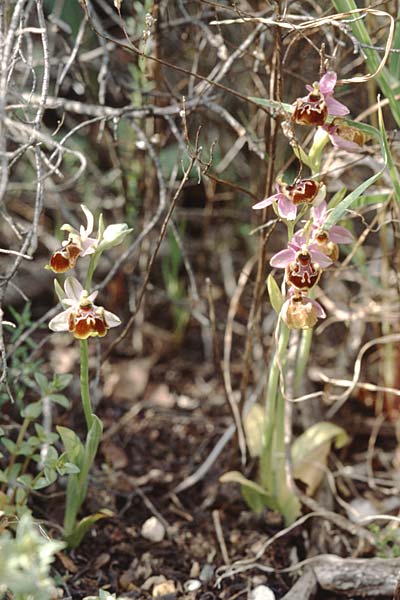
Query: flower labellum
[314,109]
[301,312]
[303,273]
[82,318]
[78,244]
[304,191]
[64,258]
[288,197]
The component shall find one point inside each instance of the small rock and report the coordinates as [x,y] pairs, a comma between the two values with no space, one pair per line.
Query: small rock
[153,530]
[192,585]
[187,403]
[153,581]
[262,592]
[207,573]
[164,588]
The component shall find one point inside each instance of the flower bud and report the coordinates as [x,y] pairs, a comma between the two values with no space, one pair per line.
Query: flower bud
[113,235]
[300,312]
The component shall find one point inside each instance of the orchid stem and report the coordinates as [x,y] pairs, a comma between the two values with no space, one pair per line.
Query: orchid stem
[90,271]
[302,358]
[85,393]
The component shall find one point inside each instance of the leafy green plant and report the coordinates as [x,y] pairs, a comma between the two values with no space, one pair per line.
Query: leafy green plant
[171,266]
[22,367]
[33,445]
[83,319]
[25,560]
[387,541]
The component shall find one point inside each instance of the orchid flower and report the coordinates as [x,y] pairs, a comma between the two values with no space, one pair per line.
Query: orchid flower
[314,108]
[288,197]
[345,137]
[325,240]
[79,243]
[303,264]
[301,312]
[81,316]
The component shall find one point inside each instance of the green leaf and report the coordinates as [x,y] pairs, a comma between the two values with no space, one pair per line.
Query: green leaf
[394,175]
[9,445]
[42,382]
[337,198]
[60,399]
[255,495]
[50,474]
[75,538]
[25,480]
[275,294]
[310,452]
[32,411]
[394,58]
[61,381]
[72,444]
[59,291]
[253,424]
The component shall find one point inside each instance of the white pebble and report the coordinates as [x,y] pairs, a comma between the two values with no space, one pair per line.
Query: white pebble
[153,530]
[261,592]
[192,585]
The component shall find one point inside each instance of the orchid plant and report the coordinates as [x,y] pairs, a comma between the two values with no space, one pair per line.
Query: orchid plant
[83,319]
[312,247]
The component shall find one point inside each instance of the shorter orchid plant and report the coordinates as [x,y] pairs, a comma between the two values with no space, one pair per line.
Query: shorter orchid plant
[83,319]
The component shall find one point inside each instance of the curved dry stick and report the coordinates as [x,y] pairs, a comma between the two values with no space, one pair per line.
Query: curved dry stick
[341,398]
[233,306]
[317,23]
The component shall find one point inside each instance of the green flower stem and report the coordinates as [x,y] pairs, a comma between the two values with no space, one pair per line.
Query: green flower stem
[85,394]
[302,358]
[85,390]
[272,398]
[91,268]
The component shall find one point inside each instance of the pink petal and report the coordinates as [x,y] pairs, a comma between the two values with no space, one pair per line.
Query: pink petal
[319,213]
[286,208]
[335,108]
[327,82]
[89,246]
[319,257]
[343,144]
[318,308]
[282,258]
[299,238]
[265,202]
[309,88]
[340,235]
